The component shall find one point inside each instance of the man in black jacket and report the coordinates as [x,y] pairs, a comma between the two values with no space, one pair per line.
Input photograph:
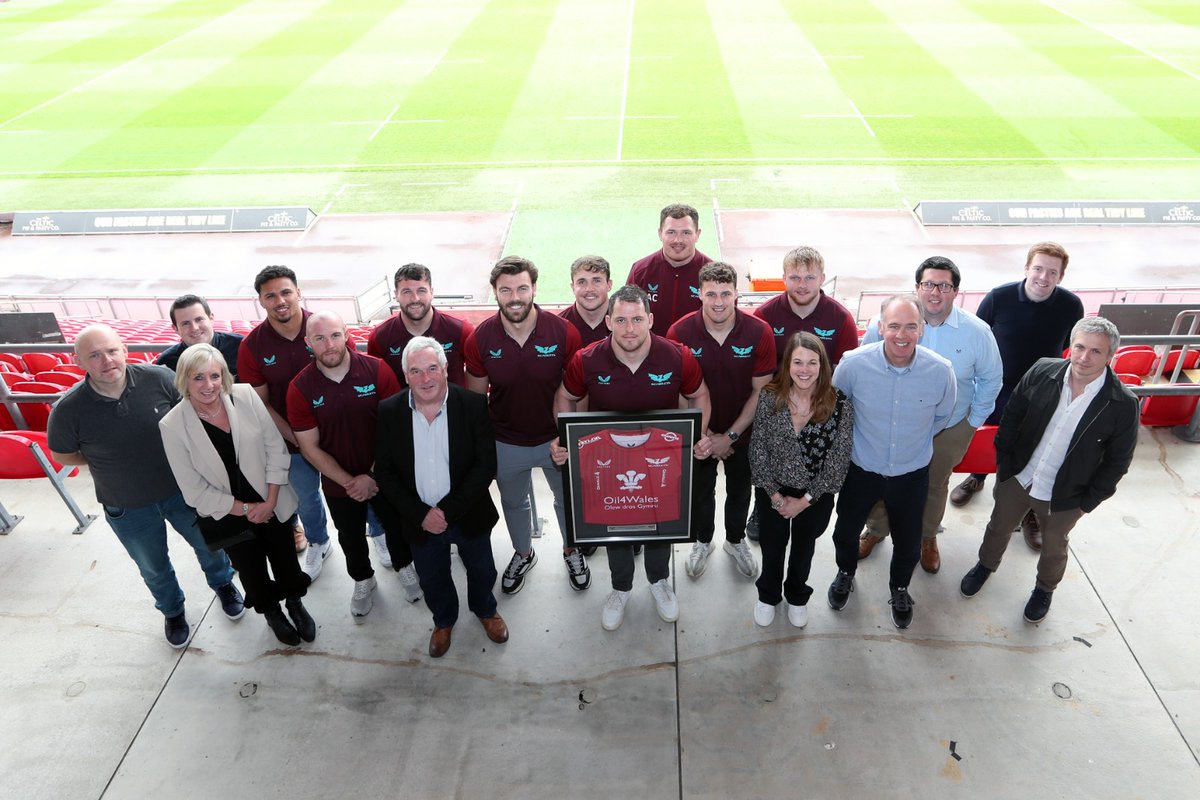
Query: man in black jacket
[1066,438]
[435,459]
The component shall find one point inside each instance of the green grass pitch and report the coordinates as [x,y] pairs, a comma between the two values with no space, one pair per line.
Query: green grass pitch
[589,115]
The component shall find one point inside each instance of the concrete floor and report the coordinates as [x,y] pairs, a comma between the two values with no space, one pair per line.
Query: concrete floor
[1100,701]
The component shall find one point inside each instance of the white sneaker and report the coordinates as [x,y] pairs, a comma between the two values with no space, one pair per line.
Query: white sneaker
[363,598]
[743,557]
[697,560]
[764,614]
[314,559]
[381,550]
[410,582]
[797,615]
[614,610]
[664,600]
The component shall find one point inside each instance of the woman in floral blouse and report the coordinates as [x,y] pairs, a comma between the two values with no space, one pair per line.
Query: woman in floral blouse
[799,453]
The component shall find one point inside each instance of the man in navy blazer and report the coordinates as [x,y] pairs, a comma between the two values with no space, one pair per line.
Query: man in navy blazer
[435,459]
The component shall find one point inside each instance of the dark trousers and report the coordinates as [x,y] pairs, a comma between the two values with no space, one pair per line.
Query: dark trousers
[737,495]
[904,500]
[432,559]
[350,519]
[273,544]
[775,533]
[620,564]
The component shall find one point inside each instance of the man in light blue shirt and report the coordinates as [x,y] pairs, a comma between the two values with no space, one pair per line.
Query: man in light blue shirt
[903,394]
[968,344]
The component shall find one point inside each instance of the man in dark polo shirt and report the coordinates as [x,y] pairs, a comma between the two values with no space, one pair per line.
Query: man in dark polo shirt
[270,356]
[1031,319]
[736,352]
[192,319]
[520,354]
[418,317]
[634,370]
[804,306]
[591,281]
[109,423]
[671,276]
[332,406]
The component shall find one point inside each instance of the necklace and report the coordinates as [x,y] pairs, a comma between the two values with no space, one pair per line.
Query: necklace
[202,415]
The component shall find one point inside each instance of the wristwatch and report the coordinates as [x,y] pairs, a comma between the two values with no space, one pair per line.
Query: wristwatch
[733,436]
[245,509]
[775,506]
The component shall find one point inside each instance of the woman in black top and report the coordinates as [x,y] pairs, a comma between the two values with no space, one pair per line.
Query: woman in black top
[799,454]
[231,465]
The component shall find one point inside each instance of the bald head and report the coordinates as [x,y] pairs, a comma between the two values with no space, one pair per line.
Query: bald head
[101,353]
[326,335]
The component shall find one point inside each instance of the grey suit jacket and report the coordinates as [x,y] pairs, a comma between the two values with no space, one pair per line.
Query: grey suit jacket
[198,469]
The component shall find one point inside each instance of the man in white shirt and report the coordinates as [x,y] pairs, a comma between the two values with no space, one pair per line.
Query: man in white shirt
[1065,440]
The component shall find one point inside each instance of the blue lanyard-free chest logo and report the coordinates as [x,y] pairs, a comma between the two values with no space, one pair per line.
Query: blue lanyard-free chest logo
[604,379]
[742,352]
[364,391]
[495,353]
[651,287]
[695,291]
[318,401]
[396,350]
[696,351]
[448,346]
[825,333]
[778,331]
[545,351]
[269,361]
[660,380]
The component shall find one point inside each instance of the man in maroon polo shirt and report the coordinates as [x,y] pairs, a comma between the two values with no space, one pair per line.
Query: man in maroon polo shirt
[270,356]
[736,352]
[671,276]
[591,281]
[634,370]
[332,406]
[520,354]
[418,317]
[804,306]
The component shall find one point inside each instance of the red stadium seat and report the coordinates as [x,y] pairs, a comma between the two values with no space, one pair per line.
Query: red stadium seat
[1165,410]
[36,414]
[11,378]
[17,461]
[64,379]
[71,368]
[980,457]
[1190,361]
[1136,362]
[41,362]
[1132,380]
[13,361]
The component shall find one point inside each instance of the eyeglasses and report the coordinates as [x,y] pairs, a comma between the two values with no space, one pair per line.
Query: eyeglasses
[929,286]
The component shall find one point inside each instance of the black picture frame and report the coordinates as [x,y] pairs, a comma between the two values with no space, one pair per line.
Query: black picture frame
[628,477]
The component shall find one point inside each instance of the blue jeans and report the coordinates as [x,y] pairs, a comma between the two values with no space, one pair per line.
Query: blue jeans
[143,533]
[305,479]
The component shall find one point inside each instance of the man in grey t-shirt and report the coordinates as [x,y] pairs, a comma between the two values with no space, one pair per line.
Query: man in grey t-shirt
[109,423]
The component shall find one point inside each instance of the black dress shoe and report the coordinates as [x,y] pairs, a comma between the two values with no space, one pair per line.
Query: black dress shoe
[282,629]
[305,626]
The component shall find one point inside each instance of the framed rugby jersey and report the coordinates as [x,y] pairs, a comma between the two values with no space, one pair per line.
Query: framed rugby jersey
[628,477]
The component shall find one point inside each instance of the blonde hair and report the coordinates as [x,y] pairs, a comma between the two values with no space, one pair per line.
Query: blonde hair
[194,359]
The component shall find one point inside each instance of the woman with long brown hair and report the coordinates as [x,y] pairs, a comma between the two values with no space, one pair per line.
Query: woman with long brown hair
[799,454]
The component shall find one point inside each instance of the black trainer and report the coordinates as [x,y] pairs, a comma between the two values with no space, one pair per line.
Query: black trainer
[280,626]
[974,580]
[514,574]
[752,525]
[232,602]
[306,628]
[840,589]
[1038,606]
[177,630]
[902,607]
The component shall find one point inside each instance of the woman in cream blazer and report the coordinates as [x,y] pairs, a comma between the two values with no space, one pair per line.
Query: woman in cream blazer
[232,467]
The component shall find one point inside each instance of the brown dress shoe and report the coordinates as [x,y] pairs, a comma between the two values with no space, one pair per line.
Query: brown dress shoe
[866,544]
[495,628]
[962,494]
[439,642]
[931,560]
[301,539]
[1032,531]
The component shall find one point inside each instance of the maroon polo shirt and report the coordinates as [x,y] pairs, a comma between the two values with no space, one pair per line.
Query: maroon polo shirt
[267,358]
[587,334]
[344,412]
[748,352]
[522,378]
[668,372]
[830,322]
[674,291]
[388,338]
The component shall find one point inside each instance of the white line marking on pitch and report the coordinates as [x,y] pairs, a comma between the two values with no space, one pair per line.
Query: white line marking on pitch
[336,195]
[119,67]
[857,116]
[712,182]
[432,66]
[436,63]
[717,219]
[389,122]
[866,124]
[816,56]
[431,183]
[907,206]
[1122,40]
[625,81]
